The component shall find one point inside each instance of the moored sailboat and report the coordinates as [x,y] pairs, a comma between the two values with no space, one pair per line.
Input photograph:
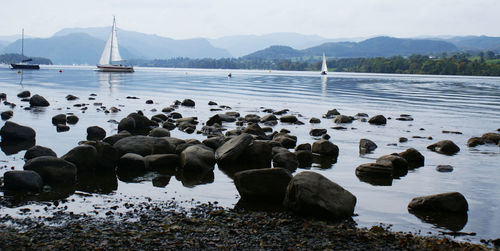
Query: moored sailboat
[110,57]
[324,69]
[24,62]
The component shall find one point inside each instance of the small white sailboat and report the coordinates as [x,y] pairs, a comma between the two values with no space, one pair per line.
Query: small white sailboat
[110,57]
[324,69]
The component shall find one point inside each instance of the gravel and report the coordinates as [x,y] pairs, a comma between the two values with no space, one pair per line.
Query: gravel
[206,226]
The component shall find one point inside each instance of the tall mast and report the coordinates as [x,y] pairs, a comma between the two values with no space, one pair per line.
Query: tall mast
[22,46]
[112,36]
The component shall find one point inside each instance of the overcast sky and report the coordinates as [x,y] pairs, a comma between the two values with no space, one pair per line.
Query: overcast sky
[216,18]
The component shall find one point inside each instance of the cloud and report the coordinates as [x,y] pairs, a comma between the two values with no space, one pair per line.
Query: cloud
[215,18]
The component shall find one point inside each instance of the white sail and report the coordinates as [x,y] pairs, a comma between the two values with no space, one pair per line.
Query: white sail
[323,66]
[111,53]
[106,52]
[115,53]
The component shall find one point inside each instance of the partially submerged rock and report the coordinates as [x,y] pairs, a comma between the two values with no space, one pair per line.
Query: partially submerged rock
[312,194]
[54,171]
[413,157]
[444,147]
[453,202]
[15,132]
[366,146]
[38,151]
[263,185]
[22,181]
[378,120]
[325,147]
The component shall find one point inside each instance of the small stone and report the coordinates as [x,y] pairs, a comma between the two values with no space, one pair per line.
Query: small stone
[444,168]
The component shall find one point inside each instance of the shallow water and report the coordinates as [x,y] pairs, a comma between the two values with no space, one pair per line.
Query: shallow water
[466,104]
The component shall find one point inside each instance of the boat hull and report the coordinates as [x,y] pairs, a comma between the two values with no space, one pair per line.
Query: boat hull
[323,73]
[25,66]
[115,68]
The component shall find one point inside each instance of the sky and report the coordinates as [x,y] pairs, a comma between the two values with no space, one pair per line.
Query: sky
[216,18]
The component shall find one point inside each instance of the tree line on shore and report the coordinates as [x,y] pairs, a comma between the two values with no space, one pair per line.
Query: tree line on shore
[484,64]
[16,58]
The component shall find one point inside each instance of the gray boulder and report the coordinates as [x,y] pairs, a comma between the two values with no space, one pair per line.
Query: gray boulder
[72,119]
[159,132]
[475,141]
[269,117]
[37,151]
[343,119]
[15,132]
[22,181]
[331,113]
[188,102]
[258,154]
[304,157]
[24,94]
[107,156]
[59,119]
[254,129]
[233,148]
[127,124]
[288,119]
[263,185]
[6,115]
[312,194]
[286,160]
[366,146]
[83,156]
[491,137]
[316,132]
[286,140]
[95,133]
[143,145]
[444,147]
[453,202]
[378,120]
[314,120]
[413,157]
[114,138]
[197,158]
[398,164]
[325,147]
[162,163]
[54,171]
[214,142]
[131,164]
[37,100]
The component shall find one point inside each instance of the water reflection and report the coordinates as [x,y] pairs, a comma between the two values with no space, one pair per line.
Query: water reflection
[14,147]
[192,179]
[324,80]
[110,80]
[453,222]
[97,182]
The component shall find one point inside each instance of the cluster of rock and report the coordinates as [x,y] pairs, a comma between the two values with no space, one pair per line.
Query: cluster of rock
[257,158]
[487,138]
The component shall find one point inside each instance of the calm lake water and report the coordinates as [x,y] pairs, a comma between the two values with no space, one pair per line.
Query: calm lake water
[470,105]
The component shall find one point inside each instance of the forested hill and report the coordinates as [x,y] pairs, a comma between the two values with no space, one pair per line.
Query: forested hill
[374,47]
[16,58]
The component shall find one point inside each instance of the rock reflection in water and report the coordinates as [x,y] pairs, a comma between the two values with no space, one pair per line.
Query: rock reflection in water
[161,181]
[256,206]
[13,147]
[450,221]
[18,198]
[324,162]
[376,180]
[97,182]
[192,179]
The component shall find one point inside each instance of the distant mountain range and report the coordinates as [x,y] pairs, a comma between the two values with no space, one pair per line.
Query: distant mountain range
[242,45]
[374,47]
[84,46]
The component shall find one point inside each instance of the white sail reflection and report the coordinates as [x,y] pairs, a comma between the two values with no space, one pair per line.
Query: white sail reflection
[109,81]
[324,80]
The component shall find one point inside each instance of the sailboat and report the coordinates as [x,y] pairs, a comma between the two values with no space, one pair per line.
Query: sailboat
[324,69]
[110,57]
[24,62]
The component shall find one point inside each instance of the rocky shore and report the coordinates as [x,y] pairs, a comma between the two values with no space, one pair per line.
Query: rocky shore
[209,227]
[261,161]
